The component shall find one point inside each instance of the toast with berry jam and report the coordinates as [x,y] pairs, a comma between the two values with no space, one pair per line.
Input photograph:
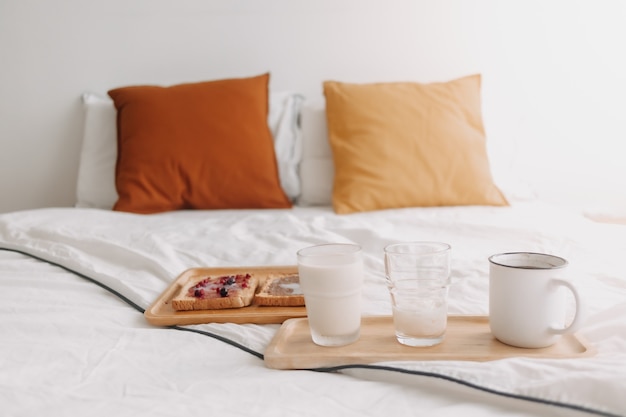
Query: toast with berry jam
[216,292]
[281,291]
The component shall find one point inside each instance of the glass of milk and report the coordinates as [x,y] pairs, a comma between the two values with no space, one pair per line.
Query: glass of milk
[331,277]
[418,277]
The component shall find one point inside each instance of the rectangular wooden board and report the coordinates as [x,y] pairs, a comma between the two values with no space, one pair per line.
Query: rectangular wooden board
[161,312]
[467,338]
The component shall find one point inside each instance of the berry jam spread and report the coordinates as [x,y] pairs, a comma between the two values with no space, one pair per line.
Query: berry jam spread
[219,286]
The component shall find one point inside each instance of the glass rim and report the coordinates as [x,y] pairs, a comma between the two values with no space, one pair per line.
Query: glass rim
[429,248]
[317,250]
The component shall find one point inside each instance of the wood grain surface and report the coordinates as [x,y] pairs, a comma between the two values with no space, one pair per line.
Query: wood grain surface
[161,313]
[467,338]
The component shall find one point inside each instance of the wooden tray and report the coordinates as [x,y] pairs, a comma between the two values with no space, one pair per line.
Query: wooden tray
[468,338]
[161,312]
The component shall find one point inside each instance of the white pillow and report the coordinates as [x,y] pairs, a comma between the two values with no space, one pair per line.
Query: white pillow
[317,170]
[96,172]
[284,122]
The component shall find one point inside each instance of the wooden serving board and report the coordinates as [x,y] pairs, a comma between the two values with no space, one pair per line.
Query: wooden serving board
[161,312]
[468,338]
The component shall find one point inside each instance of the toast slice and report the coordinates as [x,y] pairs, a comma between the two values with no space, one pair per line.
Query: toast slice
[280,291]
[216,292]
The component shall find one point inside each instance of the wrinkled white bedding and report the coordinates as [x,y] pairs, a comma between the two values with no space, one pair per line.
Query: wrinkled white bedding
[70,347]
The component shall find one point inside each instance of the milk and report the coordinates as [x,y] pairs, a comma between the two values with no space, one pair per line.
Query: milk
[332,294]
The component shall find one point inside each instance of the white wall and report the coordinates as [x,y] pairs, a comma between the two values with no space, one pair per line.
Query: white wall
[554,73]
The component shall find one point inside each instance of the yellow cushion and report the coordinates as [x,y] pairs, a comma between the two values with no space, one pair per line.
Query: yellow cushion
[408,144]
[200,145]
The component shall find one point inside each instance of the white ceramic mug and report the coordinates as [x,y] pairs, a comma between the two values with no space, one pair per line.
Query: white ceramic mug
[527,304]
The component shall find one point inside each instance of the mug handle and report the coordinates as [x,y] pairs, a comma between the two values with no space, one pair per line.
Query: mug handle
[578,316]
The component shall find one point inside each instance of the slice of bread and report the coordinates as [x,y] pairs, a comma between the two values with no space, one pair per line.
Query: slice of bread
[216,292]
[280,290]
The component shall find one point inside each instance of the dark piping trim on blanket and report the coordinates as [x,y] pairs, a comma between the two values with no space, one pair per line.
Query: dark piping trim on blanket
[335,368]
[136,306]
[468,384]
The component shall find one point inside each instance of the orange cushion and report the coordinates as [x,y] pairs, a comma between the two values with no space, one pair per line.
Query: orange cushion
[200,145]
[408,144]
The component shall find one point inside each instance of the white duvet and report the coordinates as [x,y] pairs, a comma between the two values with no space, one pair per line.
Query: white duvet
[71,347]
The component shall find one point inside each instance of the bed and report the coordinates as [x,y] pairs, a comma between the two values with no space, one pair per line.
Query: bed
[76,281]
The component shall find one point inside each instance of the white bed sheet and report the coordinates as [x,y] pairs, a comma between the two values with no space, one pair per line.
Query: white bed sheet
[69,346]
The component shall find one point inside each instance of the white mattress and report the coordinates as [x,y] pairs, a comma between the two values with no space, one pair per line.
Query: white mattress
[71,347]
